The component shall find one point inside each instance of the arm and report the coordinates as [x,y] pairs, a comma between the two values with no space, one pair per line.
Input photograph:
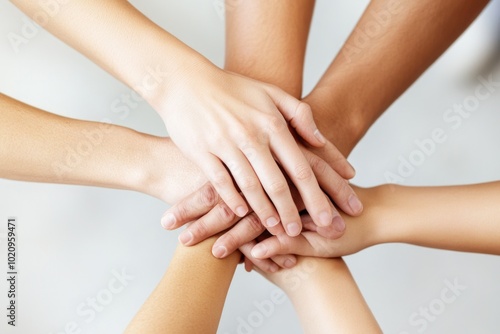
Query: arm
[326,297]
[216,118]
[190,296]
[393,43]
[460,218]
[39,146]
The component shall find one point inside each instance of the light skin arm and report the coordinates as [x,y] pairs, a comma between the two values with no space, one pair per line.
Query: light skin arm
[190,296]
[460,218]
[217,119]
[326,297]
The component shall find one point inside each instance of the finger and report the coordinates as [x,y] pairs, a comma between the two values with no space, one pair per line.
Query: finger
[250,186]
[275,185]
[216,220]
[334,185]
[223,184]
[333,157]
[299,115]
[191,207]
[246,230]
[334,231]
[300,172]
[282,244]
[285,261]
[265,265]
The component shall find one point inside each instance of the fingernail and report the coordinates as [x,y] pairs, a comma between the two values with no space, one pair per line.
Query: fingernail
[272,222]
[219,251]
[293,229]
[319,136]
[289,263]
[241,211]
[168,221]
[338,224]
[186,237]
[355,204]
[259,251]
[325,218]
[353,170]
[273,268]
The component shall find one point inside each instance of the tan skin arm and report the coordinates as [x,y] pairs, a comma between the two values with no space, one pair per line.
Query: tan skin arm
[370,73]
[190,297]
[460,218]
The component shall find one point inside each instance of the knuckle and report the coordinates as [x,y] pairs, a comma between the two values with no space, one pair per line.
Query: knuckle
[275,124]
[303,172]
[254,224]
[209,196]
[199,229]
[318,165]
[278,187]
[304,109]
[221,179]
[225,214]
[181,211]
[248,183]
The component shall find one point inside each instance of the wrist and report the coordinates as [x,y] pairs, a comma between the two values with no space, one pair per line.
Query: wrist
[387,215]
[158,87]
[339,119]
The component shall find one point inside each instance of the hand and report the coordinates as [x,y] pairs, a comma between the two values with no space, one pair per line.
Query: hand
[211,215]
[224,120]
[361,232]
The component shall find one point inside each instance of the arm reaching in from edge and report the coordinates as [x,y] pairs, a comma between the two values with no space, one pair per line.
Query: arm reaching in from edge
[326,297]
[460,218]
[190,296]
[39,146]
[230,126]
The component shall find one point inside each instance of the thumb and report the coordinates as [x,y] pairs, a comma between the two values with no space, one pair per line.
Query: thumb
[299,115]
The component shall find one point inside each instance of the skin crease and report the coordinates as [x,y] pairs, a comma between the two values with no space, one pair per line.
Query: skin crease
[191,93]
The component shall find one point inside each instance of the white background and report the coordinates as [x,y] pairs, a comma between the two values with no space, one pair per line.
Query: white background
[72,238]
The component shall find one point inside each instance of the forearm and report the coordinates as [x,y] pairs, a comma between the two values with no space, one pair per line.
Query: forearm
[326,297]
[190,297]
[121,40]
[391,46]
[39,146]
[266,40]
[461,218]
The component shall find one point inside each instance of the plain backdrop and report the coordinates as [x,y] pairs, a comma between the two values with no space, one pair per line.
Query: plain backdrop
[73,240]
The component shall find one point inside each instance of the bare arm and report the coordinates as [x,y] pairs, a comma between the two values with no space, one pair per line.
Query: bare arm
[461,218]
[39,146]
[393,43]
[326,297]
[190,297]
[217,119]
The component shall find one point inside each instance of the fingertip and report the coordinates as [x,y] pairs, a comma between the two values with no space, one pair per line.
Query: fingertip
[168,221]
[293,229]
[355,204]
[241,211]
